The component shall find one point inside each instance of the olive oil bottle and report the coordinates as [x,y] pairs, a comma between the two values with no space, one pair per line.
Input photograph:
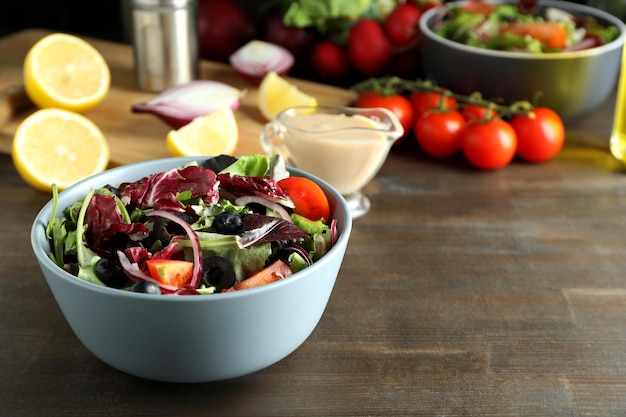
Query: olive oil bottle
[618,134]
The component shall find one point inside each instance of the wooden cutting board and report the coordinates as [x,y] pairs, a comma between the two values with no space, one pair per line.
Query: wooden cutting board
[139,137]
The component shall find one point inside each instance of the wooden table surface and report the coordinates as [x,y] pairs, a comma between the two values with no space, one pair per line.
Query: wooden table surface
[462,293]
[137,137]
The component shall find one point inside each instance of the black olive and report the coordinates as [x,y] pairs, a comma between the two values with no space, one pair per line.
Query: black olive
[218,163]
[282,254]
[115,190]
[164,230]
[218,272]
[146,287]
[111,273]
[228,223]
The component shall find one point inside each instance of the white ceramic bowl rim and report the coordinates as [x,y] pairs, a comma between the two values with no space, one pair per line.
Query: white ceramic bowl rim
[574,8]
[41,221]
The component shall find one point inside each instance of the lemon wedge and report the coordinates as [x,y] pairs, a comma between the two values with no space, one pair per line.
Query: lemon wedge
[277,94]
[210,135]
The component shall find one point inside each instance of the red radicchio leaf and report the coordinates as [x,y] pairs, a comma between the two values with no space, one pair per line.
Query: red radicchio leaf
[104,219]
[159,190]
[259,228]
[137,254]
[239,185]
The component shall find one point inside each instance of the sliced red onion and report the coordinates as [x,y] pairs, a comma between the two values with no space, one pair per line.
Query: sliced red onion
[245,200]
[256,58]
[187,290]
[586,43]
[132,269]
[196,275]
[333,232]
[179,105]
[302,252]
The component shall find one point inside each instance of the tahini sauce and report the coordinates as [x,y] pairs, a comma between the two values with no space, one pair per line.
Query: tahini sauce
[346,151]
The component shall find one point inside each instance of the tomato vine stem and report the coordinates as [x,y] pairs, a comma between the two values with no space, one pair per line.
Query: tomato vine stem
[391,85]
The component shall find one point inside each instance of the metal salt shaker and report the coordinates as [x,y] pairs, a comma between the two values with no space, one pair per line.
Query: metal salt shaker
[165,42]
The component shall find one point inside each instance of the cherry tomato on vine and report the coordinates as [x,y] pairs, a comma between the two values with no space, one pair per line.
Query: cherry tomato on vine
[422,101]
[476,113]
[541,137]
[439,133]
[489,145]
[396,103]
[308,198]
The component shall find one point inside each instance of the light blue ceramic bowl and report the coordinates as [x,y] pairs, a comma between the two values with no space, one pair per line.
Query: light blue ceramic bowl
[191,338]
[571,83]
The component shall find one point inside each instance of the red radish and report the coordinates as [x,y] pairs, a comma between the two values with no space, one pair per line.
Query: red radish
[330,61]
[297,40]
[223,27]
[256,58]
[368,48]
[402,25]
[406,63]
[180,104]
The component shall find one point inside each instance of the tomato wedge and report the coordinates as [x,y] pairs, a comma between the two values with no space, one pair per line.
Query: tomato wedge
[170,271]
[479,7]
[553,34]
[308,198]
[274,272]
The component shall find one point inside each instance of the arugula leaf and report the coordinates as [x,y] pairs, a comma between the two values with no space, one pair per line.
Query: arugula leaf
[56,231]
[87,259]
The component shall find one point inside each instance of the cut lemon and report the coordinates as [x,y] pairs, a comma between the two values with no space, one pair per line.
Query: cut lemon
[58,146]
[65,72]
[276,94]
[210,135]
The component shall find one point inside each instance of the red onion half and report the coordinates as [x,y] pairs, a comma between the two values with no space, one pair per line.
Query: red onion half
[256,58]
[180,104]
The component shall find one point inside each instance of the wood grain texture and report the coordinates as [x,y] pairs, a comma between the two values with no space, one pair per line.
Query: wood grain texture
[462,293]
[139,137]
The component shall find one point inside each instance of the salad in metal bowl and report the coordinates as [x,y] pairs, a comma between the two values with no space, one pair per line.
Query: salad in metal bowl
[220,225]
[521,27]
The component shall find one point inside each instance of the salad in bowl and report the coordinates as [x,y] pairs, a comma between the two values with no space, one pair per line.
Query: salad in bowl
[522,27]
[222,225]
[186,319]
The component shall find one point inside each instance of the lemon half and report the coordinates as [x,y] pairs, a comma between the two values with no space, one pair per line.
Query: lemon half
[58,146]
[66,72]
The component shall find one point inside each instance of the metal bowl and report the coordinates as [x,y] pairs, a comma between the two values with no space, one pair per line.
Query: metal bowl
[571,83]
